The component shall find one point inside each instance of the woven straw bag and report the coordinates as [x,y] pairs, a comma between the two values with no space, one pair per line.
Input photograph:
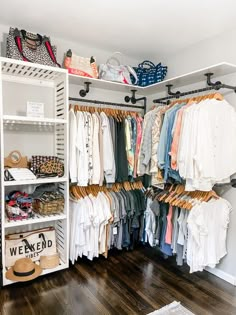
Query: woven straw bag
[49,203]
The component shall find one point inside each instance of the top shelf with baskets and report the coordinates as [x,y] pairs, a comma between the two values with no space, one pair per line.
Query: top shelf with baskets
[220,69]
[25,72]
[197,76]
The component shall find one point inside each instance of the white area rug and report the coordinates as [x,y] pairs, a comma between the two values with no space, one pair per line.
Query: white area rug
[174,308]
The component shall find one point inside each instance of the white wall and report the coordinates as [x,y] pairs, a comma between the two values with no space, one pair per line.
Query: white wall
[205,53]
[209,52]
[82,50]
[63,45]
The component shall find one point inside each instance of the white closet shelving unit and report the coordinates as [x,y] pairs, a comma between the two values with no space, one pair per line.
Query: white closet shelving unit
[21,82]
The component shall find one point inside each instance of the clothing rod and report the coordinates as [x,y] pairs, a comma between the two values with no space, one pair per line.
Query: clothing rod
[161,102]
[104,103]
[209,88]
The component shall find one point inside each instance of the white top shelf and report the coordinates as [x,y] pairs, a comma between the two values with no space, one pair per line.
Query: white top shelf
[32,120]
[38,181]
[105,85]
[16,69]
[220,69]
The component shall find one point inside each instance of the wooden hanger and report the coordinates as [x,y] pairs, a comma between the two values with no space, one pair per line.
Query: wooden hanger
[185,203]
[189,206]
[75,192]
[140,185]
[153,107]
[218,96]
[113,187]
[171,194]
[178,199]
[93,190]
[115,115]
[178,192]
[164,195]
[167,193]
[211,194]
[191,101]
[83,191]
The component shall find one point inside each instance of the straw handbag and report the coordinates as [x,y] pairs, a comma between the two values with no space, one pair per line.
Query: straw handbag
[15,160]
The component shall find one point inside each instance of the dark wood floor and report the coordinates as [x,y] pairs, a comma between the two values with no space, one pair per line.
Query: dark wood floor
[135,282]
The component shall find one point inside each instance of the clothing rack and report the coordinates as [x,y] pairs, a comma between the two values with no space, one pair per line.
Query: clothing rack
[107,103]
[163,99]
[211,86]
[175,195]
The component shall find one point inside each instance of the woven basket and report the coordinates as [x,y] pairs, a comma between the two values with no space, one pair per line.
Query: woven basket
[49,203]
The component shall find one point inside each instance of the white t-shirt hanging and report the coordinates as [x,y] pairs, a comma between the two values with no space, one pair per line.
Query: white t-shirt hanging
[89,229]
[94,217]
[105,216]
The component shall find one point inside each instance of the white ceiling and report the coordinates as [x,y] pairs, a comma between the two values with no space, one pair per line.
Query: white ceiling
[139,28]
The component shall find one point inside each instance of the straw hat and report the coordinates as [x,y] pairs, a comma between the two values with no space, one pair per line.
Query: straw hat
[23,270]
[49,262]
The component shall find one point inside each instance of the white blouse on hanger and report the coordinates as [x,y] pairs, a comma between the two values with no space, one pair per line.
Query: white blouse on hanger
[82,154]
[90,147]
[207,227]
[206,154]
[96,154]
[72,146]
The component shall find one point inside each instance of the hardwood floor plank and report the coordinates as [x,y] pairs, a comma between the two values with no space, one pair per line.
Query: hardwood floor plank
[106,292]
[132,304]
[190,290]
[127,283]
